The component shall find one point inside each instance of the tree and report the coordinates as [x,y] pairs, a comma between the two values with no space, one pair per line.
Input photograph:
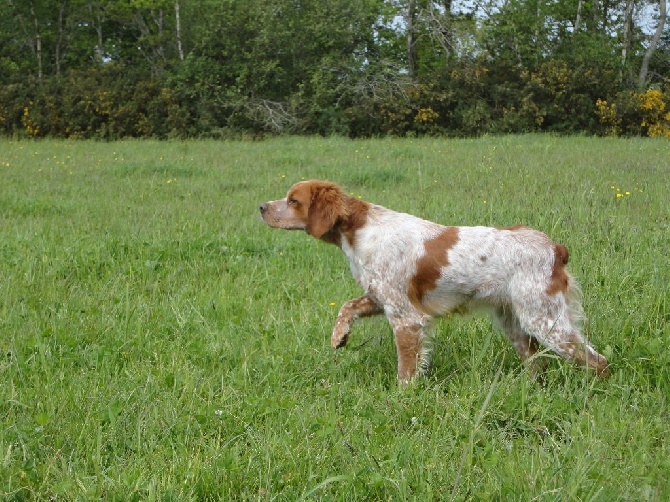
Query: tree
[359,67]
[660,25]
[411,29]
[177,16]
[627,32]
[30,22]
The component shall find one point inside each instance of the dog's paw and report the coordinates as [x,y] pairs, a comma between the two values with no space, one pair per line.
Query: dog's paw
[340,334]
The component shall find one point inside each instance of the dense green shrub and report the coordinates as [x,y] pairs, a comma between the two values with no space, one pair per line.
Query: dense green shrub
[466,99]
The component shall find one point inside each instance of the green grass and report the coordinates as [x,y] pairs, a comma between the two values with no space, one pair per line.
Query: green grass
[159,342]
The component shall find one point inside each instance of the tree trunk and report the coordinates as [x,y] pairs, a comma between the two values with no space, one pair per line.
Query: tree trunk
[38,41]
[578,20]
[627,35]
[644,69]
[61,37]
[410,20]
[159,24]
[180,49]
[604,15]
[97,20]
[438,22]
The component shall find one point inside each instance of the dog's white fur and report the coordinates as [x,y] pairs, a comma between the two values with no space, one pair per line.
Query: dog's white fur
[413,270]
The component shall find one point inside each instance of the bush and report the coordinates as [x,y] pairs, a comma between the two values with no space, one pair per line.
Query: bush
[636,113]
[563,96]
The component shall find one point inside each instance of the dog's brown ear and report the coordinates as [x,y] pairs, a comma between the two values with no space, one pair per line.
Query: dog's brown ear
[328,205]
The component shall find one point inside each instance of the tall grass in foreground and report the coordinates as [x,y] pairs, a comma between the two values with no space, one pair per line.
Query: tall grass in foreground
[158,342]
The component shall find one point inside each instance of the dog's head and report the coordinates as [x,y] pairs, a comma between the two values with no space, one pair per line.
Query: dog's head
[314,206]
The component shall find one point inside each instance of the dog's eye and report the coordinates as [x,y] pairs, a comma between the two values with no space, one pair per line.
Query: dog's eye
[292,201]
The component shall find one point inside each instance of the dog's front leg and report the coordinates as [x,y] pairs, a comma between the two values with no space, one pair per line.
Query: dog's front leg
[363,306]
[409,331]
[408,340]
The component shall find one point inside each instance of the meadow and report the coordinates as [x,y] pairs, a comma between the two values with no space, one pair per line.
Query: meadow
[159,342]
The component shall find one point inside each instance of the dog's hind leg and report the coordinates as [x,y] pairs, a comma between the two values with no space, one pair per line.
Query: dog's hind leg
[525,345]
[552,322]
[573,347]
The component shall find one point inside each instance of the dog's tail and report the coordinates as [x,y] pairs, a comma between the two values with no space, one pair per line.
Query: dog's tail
[574,299]
[590,357]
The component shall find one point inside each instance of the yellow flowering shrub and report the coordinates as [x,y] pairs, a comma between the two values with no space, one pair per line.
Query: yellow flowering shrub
[607,115]
[636,113]
[654,116]
[29,124]
[103,103]
[426,116]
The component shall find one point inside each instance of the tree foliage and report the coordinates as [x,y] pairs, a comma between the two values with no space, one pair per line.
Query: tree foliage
[219,68]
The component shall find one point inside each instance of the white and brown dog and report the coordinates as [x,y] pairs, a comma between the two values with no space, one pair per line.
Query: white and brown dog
[413,270]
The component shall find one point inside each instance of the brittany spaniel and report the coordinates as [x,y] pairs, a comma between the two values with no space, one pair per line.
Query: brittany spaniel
[413,270]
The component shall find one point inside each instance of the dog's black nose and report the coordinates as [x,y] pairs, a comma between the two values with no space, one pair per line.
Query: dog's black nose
[263,208]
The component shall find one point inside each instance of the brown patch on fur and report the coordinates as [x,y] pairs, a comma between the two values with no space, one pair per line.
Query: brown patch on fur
[298,199]
[559,277]
[357,217]
[327,205]
[429,266]
[330,212]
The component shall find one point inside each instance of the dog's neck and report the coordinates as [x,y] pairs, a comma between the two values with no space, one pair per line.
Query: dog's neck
[346,225]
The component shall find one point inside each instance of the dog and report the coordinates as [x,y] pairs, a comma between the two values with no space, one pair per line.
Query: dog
[413,270]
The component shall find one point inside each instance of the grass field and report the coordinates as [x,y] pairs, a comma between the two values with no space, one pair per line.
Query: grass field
[159,342]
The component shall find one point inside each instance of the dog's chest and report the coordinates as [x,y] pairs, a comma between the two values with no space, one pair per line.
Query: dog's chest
[355,264]
[383,255]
